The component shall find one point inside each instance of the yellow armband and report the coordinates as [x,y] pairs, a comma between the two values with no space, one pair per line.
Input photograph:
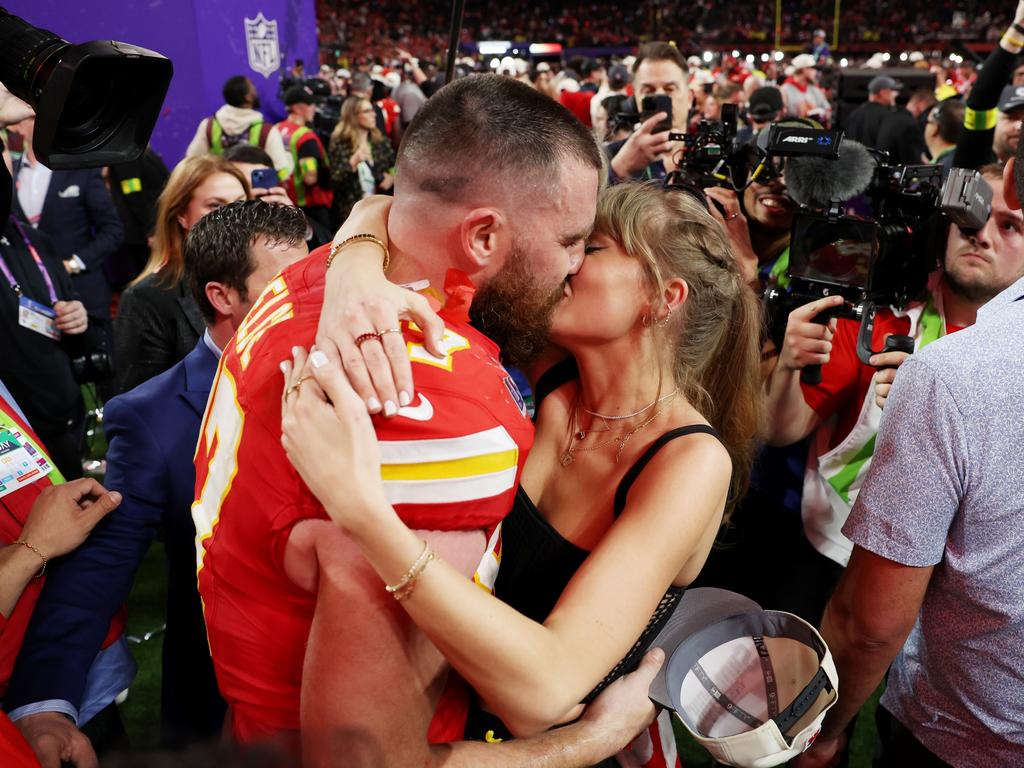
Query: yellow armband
[980,121]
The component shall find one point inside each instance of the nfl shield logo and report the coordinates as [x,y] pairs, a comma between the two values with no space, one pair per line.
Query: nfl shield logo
[261,40]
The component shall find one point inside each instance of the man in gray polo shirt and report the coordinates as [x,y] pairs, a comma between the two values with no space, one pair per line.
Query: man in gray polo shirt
[938,530]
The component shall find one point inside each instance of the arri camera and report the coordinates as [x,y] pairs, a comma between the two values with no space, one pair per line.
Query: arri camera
[868,231]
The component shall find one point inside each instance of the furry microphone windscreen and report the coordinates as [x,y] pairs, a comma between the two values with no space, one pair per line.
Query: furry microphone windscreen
[816,182]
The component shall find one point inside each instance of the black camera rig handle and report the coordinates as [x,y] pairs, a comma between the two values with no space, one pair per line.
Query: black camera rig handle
[865,337]
[811,374]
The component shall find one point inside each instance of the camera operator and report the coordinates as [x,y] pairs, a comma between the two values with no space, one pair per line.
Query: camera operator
[659,69]
[844,409]
[758,224]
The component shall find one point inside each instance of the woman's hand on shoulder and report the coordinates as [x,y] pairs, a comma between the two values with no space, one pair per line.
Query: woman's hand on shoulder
[362,312]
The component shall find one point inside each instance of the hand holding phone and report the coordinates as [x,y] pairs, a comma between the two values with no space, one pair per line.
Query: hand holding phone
[263,178]
[652,105]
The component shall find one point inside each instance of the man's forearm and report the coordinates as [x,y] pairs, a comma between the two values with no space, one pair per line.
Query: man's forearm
[574,746]
[789,417]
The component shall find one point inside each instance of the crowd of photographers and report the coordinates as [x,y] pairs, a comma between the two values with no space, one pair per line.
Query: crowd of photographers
[136,232]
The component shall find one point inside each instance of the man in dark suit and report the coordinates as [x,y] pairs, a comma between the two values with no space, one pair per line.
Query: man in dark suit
[230,256]
[75,209]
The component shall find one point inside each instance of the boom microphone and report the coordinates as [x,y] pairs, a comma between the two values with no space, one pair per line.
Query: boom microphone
[818,181]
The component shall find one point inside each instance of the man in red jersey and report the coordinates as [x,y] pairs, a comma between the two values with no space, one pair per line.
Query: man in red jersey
[508,212]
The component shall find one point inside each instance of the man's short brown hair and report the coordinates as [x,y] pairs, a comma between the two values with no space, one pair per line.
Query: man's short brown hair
[660,52]
[490,128]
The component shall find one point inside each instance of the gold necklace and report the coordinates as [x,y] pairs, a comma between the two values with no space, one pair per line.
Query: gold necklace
[578,434]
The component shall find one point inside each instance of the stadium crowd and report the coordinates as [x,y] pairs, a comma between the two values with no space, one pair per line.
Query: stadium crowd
[462,399]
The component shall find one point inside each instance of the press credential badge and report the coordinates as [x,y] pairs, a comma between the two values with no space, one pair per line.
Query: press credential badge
[37,317]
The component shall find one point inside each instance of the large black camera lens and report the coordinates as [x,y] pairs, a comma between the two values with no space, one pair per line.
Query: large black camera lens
[96,104]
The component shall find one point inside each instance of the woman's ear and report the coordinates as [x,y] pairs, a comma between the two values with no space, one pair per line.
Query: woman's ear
[485,238]
[674,296]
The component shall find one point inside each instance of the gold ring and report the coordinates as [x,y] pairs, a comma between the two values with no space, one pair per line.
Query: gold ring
[295,386]
[389,330]
[366,337]
[732,216]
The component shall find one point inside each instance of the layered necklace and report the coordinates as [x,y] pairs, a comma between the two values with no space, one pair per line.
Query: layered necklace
[578,433]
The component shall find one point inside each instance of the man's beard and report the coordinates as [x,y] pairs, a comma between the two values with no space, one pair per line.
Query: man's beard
[976,291]
[515,312]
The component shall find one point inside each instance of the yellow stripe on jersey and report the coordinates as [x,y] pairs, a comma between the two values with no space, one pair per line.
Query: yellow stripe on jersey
[438,470]
[447,470]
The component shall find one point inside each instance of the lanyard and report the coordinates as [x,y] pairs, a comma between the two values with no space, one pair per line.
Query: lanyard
[39,265]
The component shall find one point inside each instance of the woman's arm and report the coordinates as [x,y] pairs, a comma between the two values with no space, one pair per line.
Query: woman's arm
[531,674]
[359,299]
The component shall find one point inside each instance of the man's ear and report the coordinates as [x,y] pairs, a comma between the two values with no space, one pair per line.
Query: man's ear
[485,238]
[1010,185]
[222,298]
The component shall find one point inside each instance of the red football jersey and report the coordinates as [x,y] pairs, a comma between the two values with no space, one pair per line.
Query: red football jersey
[450,461]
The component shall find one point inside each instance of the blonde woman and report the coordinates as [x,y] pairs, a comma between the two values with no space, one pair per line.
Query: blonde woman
[158,322]
[636,462]
[361,157]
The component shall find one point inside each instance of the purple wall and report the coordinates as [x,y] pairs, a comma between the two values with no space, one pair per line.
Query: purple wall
[206,40]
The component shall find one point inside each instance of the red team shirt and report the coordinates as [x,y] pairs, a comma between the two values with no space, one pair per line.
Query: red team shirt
[845,381]
[450,461]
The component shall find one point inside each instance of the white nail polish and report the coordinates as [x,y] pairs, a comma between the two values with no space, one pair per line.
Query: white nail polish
[284,367]
[318,359]
[404,398]
[390,409]
[373,405]
[296,350]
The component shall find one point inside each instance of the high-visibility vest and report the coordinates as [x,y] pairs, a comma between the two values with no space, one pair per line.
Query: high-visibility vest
[257,136]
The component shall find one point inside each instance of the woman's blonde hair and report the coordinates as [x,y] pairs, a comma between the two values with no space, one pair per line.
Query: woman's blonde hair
[166,259]
[716,333]
[348,129]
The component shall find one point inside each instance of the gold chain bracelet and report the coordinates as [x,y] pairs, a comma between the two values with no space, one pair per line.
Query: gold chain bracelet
[336,249]
[41,555]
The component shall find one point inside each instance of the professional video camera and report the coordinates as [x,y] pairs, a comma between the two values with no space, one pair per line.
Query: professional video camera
[712,157]
[96,104]
[868,231]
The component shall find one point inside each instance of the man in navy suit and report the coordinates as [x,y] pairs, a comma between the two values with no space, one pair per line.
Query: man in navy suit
[230,256]
[75,209]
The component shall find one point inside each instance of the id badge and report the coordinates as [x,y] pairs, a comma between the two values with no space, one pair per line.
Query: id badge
[37,317]
[20,463]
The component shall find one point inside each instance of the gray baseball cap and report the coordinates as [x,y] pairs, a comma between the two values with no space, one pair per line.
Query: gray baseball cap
[884,82]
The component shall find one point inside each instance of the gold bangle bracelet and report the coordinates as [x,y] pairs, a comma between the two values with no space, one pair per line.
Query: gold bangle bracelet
[42,557]
[336,249]
[402,590]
